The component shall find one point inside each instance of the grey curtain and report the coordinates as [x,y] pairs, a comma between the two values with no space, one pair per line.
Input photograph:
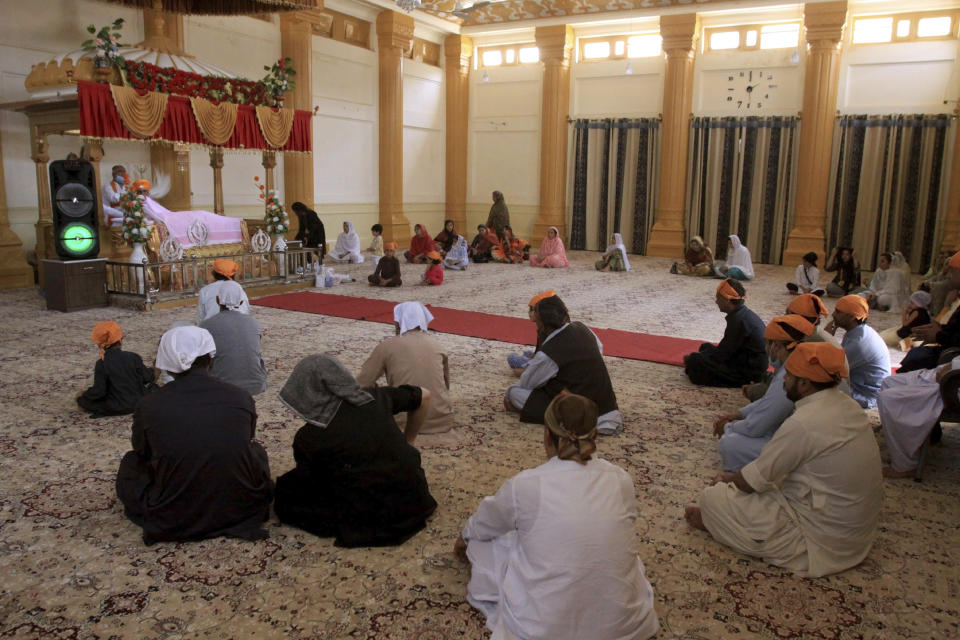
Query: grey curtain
[889,185]
[614,178]
[742,180]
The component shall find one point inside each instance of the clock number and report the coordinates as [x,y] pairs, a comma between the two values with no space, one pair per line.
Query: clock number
[759,104]
[729,98]
[772,86]
[751,76]
[739,103]
[741,74]
[748,105]
[766,96]
[730,78]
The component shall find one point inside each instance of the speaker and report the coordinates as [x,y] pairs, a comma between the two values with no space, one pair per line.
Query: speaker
[73,193]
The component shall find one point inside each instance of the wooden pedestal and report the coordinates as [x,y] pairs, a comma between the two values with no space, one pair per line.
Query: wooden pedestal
[75,284]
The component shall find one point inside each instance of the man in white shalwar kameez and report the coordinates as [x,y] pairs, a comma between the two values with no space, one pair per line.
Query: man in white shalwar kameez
[553,553]
[811,502]
[111,192]
[910,405]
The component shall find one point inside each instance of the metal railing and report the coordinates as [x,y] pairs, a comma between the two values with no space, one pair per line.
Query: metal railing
[157,281]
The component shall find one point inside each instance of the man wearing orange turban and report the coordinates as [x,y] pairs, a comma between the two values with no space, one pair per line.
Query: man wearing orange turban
[740,358]
[813,309]
[867,353]
[744,433]
[938,337]
[811,501]
[119,377]
[207,305]
[519,361]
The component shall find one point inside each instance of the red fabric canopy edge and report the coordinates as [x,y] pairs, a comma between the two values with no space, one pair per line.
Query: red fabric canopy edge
[99,119]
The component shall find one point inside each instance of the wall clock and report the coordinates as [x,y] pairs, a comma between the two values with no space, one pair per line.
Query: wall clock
[749,89]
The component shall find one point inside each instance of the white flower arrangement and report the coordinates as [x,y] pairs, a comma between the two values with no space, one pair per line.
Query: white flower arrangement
[278,222]
[135,227]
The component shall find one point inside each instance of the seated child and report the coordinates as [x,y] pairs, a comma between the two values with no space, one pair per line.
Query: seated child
[434,272]
[119,378]
[456,257]
[915,314]
[376,244]
[387,273]
[807,277]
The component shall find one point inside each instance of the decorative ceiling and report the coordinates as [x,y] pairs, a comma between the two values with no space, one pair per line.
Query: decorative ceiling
[502,11]
[220,7]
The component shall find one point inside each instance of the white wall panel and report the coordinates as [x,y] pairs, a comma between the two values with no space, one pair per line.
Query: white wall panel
[520,98]
[423,169]
[618,96]
[241,45]
[507,161]
[344,159]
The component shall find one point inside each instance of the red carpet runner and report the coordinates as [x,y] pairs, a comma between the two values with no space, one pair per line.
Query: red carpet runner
[620,344]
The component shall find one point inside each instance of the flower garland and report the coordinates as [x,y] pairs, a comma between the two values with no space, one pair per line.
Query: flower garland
[135,226]
[144,76]
[278,222]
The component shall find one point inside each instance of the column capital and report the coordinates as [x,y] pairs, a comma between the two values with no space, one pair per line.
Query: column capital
[306,20]
[680,33]
[269,159]
[823,23]
[458,50]
[216,157]
[41,151]
[555,43]
[394,30]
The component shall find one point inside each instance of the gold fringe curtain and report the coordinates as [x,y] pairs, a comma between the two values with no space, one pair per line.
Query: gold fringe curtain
[275,125]
[216,121]
[142,115]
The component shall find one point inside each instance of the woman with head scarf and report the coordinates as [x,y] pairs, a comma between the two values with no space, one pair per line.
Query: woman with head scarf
[499,218]
[889,288]
[311,231]
[552,254]
[739,264]
[511,249]
[615,256]
[553,553]
[697,259]
[119,378]
[915,314]
[358,477]
[457,258]
[420,245]
[347,248]
[446,238]
[843,262]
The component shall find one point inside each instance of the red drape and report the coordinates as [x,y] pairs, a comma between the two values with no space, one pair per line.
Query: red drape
[99,119]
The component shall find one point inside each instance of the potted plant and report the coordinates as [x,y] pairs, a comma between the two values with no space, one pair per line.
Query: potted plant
[280,80]
[105,45]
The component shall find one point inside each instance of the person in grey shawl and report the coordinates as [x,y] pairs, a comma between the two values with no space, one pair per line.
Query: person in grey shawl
[499,217]
[357,477]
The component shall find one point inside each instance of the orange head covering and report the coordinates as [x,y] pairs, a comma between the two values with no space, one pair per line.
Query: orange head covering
[807,305]
[725,290]
[818,362]
[541,296]
[105,334]
[434,255]
[390,245]
[789,328]
[954,262]
[226,267]
[141,184]
[854,305]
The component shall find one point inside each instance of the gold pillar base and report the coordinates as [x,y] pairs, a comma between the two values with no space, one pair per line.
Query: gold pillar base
[397,230]
[542,224]
[802,241]
[667,236]
[15,273]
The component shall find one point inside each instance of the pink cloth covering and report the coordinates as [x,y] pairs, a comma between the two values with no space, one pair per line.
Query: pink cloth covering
[552,253]
[223,229]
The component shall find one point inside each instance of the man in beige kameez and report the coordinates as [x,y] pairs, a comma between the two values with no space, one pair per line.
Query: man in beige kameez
[413,357]
[810,503]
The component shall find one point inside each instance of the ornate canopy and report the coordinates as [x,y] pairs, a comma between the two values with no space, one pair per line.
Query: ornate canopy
[221,7]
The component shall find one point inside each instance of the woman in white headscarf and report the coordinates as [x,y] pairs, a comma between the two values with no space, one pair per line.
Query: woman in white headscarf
[889,288]
[739,264]
[347,248]
[457,257]
[614,257]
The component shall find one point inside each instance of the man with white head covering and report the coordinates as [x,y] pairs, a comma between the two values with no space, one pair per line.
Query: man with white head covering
[237,337]
[413,357]
[195,471]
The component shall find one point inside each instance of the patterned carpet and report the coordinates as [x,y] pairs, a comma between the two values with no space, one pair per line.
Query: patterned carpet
[73,567]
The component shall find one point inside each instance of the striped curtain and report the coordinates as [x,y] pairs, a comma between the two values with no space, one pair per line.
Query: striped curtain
[615,165]
[888,191]
[742,180]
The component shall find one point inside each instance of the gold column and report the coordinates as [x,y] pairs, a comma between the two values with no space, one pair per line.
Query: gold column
[680,35]
[44,225]
[823,23]
[394,37]
[296,43]
[14,270]
[216,161]
[458,50]
[951,218]
[269,164]
[555,44]
[173,159]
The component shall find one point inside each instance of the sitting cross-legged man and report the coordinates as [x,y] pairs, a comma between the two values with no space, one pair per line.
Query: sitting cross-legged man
[867,354]
[741,356]
[811,502]
[571,358]
[744,433]
[553,553]
[119,378]
[195,470]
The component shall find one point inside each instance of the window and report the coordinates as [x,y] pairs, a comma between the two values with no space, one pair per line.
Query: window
[646,45]
[905,27]
[779,35]
[508,55]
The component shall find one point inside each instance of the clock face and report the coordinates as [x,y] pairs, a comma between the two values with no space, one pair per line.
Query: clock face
[748,90]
